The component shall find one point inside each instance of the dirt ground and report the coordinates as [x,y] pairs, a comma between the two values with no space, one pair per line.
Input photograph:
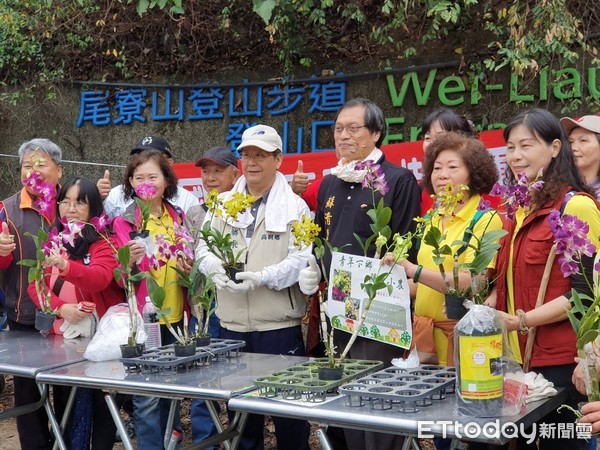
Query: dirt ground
[9,439]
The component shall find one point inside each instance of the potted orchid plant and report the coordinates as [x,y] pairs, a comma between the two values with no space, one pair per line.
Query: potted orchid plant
[177,245]
[202,294]
[219,243]
[484,250]
[123,273]
[45,202]
[572,248]
[306,232]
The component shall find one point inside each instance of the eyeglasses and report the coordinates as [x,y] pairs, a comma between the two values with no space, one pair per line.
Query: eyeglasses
[79,205]
[258,157]
[351,129]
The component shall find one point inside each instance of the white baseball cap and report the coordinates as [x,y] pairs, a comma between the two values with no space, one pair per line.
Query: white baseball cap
[591,123]
[263,137]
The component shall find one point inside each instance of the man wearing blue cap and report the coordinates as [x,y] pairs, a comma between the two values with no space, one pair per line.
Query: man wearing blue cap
[219,171]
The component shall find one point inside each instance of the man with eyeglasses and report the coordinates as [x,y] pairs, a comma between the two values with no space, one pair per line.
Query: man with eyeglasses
[266,308]
[342,206]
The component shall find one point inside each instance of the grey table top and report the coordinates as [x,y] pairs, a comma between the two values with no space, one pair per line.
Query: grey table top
[219,381]
[336,413]
[25,353]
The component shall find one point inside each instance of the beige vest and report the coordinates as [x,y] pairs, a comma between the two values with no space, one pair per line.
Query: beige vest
[262,309]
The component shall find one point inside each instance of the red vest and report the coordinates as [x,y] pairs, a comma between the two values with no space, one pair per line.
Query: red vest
[554,343]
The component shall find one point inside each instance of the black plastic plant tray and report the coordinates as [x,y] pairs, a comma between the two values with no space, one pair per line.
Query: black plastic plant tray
[163,358]
[301,382]
[405,389]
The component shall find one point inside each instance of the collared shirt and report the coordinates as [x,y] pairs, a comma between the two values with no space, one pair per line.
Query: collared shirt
[254,210]
[166,276]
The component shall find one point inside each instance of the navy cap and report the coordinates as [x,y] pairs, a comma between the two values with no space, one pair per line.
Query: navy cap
[152,143]
[218,155]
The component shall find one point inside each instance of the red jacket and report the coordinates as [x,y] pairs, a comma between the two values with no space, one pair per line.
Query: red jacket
[554,343]
[93,282]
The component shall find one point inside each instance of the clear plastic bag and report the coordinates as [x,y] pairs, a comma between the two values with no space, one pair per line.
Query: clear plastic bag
[112,332]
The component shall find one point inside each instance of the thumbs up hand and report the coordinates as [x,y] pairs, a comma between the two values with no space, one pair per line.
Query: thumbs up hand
[300,179]
[7,244]
[310,277]
[103,185]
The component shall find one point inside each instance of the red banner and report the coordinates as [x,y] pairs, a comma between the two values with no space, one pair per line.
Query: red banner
[409,155]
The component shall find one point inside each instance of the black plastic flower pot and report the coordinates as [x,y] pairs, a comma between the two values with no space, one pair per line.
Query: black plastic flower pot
[232,271]
[44,321]
[455,309]
[185,350]
[202,341]
[132,351]
[143,234]
[330,373]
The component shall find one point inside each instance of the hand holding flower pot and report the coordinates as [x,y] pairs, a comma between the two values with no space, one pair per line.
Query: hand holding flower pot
[220,244]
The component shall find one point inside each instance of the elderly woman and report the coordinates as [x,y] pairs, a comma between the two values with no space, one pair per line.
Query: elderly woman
[584,139]
[151,167]
[453,160]
[21,214]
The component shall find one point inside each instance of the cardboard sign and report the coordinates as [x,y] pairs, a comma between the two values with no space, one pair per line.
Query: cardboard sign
[387,319]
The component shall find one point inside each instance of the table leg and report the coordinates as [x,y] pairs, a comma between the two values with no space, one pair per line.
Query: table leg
[114,412]
[232,434]
[321,432]
[52,418]
[172,436]
[411,442]
[214,414]
[28,408]
[66,414]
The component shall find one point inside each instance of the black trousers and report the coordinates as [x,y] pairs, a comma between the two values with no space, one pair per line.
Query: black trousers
[291,434]
[33,428]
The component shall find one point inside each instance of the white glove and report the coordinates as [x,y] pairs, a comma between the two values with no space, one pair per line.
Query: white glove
[249,282]
[86,327]
[220,280]
[310,277]
[212,265]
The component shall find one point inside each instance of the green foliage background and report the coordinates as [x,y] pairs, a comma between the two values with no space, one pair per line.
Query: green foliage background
[116,40]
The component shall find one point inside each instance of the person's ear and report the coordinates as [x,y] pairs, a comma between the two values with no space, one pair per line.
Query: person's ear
[556,146]
[278,159]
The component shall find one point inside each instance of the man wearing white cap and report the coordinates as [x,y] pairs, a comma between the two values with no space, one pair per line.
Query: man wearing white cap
[584,139]
[266,308]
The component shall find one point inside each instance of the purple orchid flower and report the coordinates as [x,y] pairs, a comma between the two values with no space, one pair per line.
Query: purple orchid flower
[146,191]
[572,243]
[517,195]
[374,178]
[101,223]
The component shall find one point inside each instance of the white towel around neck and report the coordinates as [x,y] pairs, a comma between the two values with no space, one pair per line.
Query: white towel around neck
[279,210]
[346,171]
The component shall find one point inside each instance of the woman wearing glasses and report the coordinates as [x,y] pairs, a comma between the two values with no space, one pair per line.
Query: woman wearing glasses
[80,281]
